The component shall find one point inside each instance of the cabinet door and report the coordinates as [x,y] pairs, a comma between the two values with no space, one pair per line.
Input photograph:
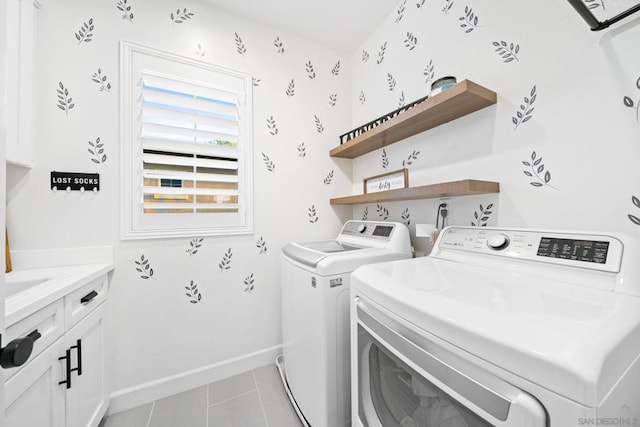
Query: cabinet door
[33,395]
[87,399]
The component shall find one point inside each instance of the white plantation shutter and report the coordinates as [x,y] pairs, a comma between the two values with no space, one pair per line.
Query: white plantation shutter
[189,133]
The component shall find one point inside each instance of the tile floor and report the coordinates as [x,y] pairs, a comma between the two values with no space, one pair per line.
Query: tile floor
[252,399]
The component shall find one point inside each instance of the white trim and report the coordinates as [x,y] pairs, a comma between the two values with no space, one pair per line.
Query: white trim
[129,227]
[60,257]
[142,394]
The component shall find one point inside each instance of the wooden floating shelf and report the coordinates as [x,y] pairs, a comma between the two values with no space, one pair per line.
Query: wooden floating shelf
[465,187]
[464,98]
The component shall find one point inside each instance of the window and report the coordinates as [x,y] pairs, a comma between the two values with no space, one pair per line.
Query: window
[186,146]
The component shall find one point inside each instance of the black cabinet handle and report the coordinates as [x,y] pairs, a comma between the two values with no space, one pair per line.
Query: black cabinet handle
[35,335]
[88,297]
[78,348]
[67,358]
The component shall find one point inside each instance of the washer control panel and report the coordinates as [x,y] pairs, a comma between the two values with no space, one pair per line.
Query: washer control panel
[373,230]
[595,251]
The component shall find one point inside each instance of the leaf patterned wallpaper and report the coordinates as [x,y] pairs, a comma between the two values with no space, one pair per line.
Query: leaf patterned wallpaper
[562,141]
[217,296]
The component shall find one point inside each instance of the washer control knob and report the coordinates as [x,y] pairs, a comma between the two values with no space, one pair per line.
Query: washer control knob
[362,228]
[498,241]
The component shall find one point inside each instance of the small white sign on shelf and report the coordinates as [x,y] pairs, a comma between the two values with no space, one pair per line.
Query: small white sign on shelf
[388,181]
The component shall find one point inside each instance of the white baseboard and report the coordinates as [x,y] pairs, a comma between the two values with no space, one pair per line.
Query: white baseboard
[142,394]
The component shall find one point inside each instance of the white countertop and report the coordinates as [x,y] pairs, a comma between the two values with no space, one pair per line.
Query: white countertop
[61,281]
[56,279]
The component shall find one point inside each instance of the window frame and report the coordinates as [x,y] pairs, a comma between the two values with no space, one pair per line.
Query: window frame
[165,225]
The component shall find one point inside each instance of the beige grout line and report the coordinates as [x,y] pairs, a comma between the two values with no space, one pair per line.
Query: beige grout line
[231,398]
[206,408]
[264,413]
[153,405]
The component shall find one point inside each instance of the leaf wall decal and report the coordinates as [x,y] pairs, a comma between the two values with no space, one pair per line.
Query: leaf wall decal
[310,72]
[225,264]
[391,82]
[249,283]
[194,246]
[272,127]
[429,72]
[410,41]
[101,80]
[240,47]
[382,212]
[327,180]
[470,20]
[85,34]
[302,151]
[413,156]
[482,215]
[536,168]
[291,89]
[125,8]
[401,100]
[313,214]
[508,52]
[144,268]
[279,45]
[383,49]
[385,159]
[268,163]
[181,16]
[96,149]
[193,293]
[65,102]
[400,11]
[406,217]
[447,6]
[319,126]
[525,112]
[336,69]
[262,246]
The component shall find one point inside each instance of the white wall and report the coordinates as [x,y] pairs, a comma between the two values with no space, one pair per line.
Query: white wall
[157,335]
[588,139]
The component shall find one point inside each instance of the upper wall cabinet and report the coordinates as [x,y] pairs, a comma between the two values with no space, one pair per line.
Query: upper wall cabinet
[460,100]
[20,51]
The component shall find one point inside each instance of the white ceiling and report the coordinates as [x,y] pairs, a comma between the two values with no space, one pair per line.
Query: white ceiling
[340,24]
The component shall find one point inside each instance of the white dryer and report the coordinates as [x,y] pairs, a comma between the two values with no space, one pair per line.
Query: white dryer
[500,327]
[315,315]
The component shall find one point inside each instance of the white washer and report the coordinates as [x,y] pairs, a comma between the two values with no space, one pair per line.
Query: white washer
[500,327]
[315,314]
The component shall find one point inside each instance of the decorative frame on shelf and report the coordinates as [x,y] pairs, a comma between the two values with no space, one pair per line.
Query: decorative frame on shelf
[386,181]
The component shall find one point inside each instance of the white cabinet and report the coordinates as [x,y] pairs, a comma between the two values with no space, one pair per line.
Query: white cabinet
[33,396]
[63,384]
[87,398]
[19,24]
